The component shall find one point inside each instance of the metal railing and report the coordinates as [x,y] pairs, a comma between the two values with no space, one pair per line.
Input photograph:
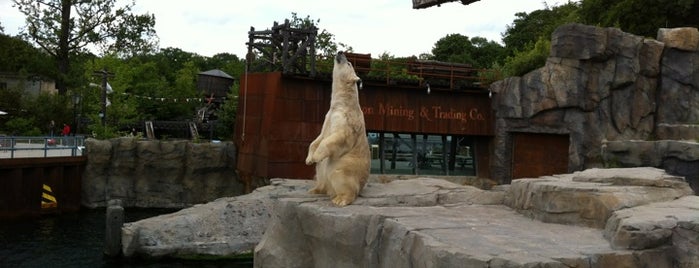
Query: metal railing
[415,72]
[43,146]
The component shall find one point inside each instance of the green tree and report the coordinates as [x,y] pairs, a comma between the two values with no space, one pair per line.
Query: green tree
[477,51]
[640,17]
[17,55]
[53,26]
[527,39]
[123,108]
[227,63]
[528,28]
[225,125]
[528,59]
[325,44]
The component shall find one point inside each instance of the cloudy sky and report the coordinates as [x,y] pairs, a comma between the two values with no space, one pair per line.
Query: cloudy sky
[208,27]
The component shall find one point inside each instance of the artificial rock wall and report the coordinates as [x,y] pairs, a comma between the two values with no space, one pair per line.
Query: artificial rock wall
[598,85]
[158,174]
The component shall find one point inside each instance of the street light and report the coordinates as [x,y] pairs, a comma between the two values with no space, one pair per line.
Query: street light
[104,75]
[76,101]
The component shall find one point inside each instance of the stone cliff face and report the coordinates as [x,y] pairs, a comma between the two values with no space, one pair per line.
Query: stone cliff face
[158,174]
[602,84]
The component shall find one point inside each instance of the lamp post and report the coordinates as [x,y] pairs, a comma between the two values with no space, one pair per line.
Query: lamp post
[76,101]
[104,74]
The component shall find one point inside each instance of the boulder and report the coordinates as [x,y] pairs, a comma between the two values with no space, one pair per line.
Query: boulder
[224,228]
[684,38]
[427,222]
[407,224]
[588,198]
[674,223]
[230,227]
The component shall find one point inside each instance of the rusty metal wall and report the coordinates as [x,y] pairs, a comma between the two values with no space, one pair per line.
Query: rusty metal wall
[279,116]
[23,180]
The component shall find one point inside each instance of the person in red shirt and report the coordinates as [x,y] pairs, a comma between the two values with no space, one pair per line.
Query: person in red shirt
[66,130]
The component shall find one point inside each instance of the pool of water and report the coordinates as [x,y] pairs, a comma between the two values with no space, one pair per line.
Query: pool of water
[77,240]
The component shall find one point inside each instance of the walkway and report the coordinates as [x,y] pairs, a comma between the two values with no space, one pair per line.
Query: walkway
[24,147]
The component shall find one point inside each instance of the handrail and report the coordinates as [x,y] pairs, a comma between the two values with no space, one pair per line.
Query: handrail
[33,146]
[420,72]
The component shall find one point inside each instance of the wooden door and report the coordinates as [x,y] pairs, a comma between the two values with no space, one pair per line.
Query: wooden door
[536,154]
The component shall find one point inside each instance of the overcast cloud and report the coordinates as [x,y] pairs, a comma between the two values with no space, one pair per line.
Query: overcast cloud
[208,27]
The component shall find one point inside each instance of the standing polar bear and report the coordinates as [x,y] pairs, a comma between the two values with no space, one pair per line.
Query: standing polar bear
[341,151]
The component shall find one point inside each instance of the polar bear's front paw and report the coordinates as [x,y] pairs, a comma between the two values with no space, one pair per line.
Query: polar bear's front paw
[342,200]
[309,159]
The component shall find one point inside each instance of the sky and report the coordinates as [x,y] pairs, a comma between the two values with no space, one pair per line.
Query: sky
[209,27]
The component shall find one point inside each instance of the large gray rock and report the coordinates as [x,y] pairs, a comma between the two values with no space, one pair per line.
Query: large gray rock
[229,227]
[387,227]
[685,38]
[588,198]
[425,222]
[225,228]
[674,223]
[158,174]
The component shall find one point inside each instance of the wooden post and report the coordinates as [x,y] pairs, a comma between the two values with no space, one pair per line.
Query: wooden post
[114,221]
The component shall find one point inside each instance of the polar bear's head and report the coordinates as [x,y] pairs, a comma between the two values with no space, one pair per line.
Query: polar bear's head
[343,72]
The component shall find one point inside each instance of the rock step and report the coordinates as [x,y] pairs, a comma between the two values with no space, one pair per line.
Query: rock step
[317,234]
[678,132]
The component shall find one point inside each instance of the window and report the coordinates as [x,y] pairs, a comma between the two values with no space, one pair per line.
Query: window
[421,154]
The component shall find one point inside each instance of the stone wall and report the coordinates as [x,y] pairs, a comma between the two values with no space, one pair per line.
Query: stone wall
[158,174]
[601,84]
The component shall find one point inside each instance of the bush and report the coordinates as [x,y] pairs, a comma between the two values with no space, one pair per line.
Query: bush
[104,132]
[528,60]
[22,127]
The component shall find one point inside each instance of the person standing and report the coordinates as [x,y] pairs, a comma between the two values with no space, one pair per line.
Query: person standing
[65,133]
[66,130]
[52,126]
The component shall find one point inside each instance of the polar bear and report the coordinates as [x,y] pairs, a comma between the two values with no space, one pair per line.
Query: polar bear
[341,150]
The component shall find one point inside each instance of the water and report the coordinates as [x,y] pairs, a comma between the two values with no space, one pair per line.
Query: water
[77,240]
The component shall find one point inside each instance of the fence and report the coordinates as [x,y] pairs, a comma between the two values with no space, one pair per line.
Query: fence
[46,146]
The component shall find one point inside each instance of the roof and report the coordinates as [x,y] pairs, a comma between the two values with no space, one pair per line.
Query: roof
[217,73]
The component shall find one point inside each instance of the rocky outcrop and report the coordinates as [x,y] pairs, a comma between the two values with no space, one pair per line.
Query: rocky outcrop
[673,223]
[226,227]
[601,84]
[679,158]
[429,231]
[158,174]
[588,198]
[642,217]
[230,227]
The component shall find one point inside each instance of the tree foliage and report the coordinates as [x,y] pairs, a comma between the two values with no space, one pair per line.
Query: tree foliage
[64,28]
[528,59]
[19,56]
[527,39]
[640,17]
[528,28]
[225,125]
[325,44]
[477,51]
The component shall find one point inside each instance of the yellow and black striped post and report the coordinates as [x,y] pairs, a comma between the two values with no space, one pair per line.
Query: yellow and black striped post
[47,198]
